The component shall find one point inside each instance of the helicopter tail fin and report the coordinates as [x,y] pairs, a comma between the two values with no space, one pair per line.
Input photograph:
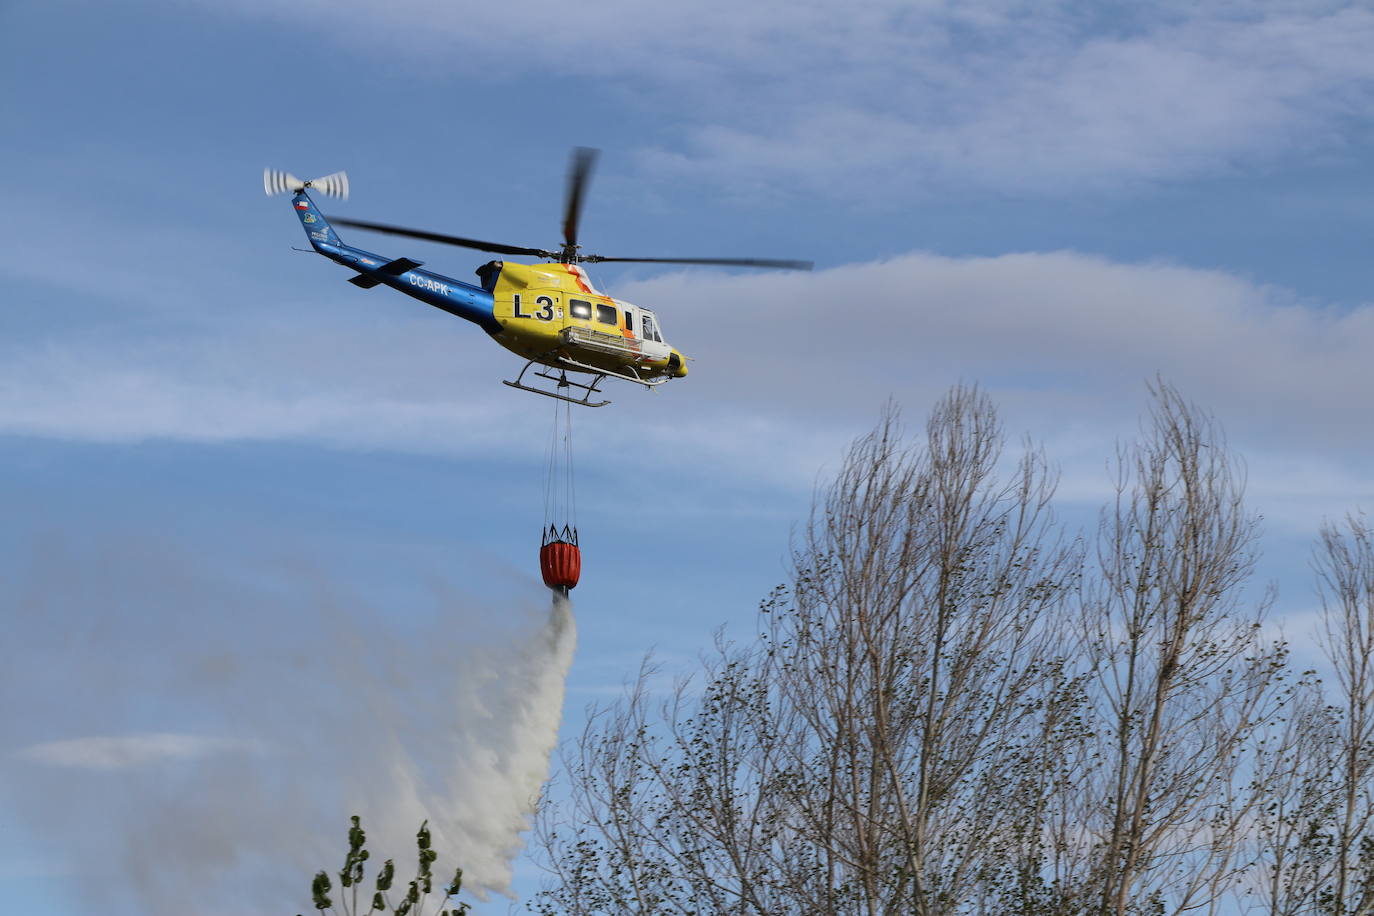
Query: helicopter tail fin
[316,227]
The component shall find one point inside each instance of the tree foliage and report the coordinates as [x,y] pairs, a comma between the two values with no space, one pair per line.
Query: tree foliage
[353,874]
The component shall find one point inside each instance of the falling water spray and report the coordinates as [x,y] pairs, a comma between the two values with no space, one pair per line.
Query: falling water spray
[512,708]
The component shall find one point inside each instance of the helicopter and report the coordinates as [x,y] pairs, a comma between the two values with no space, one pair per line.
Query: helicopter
[548,313]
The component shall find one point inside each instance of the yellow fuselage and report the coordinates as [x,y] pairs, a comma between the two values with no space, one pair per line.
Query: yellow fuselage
[550,313]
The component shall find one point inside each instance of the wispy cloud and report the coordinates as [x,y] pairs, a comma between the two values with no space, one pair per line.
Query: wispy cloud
[893,96]
[1081,329]
[124,752]
[1064,341]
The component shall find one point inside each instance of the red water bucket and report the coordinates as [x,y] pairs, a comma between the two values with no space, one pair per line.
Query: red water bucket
[561,564]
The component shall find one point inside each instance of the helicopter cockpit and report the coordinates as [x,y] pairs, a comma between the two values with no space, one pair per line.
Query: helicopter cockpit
[648,326]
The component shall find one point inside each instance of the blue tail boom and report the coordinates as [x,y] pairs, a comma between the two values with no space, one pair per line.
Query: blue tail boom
[464,300]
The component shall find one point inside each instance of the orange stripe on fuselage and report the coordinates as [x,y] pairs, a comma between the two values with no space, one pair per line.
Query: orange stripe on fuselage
[576,273]
[580,278]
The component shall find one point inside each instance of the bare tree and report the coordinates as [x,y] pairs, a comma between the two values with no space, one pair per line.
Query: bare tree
[1345,573]
[1318,845]
[945,713]
[870,753]
[1298,766]
[1183,679]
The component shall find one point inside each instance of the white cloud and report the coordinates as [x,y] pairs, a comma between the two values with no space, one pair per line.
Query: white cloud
[76,393]
[1063,341]
[1081,326]
[125,752]
[789,368]
[894,96]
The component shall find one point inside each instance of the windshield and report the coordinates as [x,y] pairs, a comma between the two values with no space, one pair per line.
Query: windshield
[649,326]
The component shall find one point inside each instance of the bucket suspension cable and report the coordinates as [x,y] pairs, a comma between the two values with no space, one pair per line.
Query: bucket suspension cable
[560,560]
[560,489]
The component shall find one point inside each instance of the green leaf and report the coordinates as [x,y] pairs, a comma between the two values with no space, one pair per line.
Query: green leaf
[385,876]
[319,891]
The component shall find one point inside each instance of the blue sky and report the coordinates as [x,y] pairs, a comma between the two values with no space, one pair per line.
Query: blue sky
[244,498]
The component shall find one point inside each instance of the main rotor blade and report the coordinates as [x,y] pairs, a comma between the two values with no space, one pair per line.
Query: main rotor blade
[726,262]
[494,247]
[579,172]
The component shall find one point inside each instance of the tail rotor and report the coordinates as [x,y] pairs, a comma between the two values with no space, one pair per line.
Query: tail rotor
[335,185]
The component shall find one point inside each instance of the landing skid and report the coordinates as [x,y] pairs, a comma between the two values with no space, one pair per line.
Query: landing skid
[562,381]
[630,375]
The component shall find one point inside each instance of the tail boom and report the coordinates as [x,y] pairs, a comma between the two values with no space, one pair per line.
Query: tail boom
[463,300]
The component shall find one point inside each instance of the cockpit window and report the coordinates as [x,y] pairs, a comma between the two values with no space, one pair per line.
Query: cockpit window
[605,313]
[649,328]
[579,309]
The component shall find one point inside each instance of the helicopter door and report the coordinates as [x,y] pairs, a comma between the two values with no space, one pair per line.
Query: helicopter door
[651,339]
